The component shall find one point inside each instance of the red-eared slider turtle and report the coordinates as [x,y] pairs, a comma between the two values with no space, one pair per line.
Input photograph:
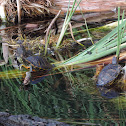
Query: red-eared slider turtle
[37,63]
[109,73]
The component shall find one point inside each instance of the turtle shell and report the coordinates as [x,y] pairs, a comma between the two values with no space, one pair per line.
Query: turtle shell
[38,62]
[108,74]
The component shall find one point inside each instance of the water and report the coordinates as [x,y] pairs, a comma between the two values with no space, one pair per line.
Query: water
[69,97]
[80,103]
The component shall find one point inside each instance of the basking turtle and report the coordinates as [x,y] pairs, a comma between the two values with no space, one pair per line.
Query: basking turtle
[109,73]
[36,63]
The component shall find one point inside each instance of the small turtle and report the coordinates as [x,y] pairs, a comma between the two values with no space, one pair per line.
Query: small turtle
[37,63]
[109,73]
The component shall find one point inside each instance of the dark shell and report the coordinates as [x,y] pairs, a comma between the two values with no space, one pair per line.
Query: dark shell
[38,62]
[108,74]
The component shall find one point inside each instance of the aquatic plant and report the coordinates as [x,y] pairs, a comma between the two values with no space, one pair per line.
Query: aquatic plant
[103,47]
[67,20]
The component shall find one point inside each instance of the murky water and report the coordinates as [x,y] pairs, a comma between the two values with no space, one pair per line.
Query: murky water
[80,103]
[70,97]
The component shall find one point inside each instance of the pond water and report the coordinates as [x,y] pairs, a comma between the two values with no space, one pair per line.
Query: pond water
[70,97]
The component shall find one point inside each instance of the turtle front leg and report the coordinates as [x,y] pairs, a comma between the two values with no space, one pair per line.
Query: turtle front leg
[98,70]
[124,78]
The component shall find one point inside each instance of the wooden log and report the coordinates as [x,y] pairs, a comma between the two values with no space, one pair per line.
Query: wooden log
[90,8]
[88,5]
[94,10]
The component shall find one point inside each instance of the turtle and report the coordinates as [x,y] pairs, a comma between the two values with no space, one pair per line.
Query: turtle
[36,62]
[109,73]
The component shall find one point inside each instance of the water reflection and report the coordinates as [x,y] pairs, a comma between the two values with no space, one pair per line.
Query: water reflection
[108,92]
[82,104]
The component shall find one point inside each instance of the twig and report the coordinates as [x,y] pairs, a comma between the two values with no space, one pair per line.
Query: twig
[73,36]
[52,22]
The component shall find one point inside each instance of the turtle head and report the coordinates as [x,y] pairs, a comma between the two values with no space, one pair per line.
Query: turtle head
[114,60]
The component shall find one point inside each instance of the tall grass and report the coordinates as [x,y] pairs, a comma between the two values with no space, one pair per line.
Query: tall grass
[67,20]
[120,32]
[112,42]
